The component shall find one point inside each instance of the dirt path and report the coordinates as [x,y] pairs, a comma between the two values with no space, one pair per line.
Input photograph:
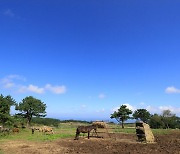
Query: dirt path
[118,143]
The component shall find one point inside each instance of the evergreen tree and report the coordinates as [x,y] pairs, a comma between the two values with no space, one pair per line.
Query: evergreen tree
[5,105]
[122,114]
[142,114]
[31,107]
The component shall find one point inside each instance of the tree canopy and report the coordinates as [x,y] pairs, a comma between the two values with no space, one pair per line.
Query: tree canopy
[5,105]
[156,121]
[168,118]
[31,107]
[142,114]
[122,114]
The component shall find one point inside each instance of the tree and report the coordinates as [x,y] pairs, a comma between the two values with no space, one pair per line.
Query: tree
[31,107]
[5,105]
[169,119]
[156,121]
[177,122]
[142,114]
[122,114]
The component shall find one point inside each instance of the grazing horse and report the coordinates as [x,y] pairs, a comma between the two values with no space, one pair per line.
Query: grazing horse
[84,129]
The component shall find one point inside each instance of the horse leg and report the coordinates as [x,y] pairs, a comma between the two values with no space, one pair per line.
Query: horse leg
[77,135]
[96,133]
[32,131]
[88,134]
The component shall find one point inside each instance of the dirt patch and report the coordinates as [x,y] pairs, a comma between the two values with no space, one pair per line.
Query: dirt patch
[116,143]
[125,144]
[27,147]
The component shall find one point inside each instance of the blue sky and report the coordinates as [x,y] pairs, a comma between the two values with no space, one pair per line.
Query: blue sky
[86,58]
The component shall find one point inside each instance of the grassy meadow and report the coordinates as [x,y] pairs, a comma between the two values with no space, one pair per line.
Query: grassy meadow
[68,130]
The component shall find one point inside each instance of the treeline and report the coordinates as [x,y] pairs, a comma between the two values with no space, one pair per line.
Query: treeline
[159,121]
[54,122]
[80,121]
[46,121]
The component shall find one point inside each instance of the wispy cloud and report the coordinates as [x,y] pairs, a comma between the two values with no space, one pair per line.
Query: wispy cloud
[83,106]
[101,96]
[18,77]
[12,82]
[171,108]
[133,108]
[172,89]
[101,110]
[31,88]
[160,109]
[152,109]
[142,103]
[9,13]
[56,89]
[9,81]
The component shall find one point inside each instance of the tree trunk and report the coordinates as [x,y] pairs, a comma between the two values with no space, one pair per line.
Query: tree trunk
[122,124]
[28,121]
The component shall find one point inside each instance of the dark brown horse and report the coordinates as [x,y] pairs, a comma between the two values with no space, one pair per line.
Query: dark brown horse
[85,129]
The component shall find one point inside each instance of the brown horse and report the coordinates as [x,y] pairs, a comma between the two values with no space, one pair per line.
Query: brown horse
[84,129]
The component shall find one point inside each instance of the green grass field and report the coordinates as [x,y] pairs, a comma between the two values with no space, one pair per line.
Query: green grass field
[26,134]
[1,152]
[65,130]
[68,130]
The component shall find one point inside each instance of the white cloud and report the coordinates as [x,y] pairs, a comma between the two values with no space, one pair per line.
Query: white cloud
[35,89]
[8,81]
[101,96]
[159,109]
[8,85]
[132,108]
[56,89]
[31,88]
[172,109]
[171,90]
[14,82]
[9,13]
[115,109]
[15,76]
[41,90]
[151,109]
